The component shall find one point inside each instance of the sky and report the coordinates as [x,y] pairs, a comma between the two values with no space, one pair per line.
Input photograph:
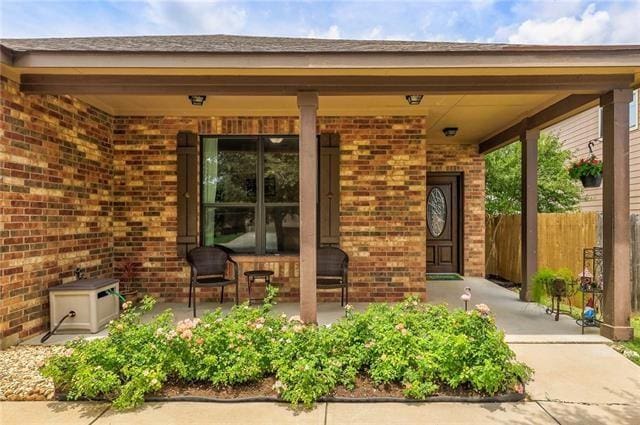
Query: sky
[529,21]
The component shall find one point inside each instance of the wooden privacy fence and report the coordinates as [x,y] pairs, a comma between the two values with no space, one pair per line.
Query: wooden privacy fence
[561,239]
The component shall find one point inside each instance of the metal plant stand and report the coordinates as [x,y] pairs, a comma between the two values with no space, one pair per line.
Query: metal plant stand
[591,287]
[557,291]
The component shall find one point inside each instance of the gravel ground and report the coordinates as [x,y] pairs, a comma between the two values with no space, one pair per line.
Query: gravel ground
[20,378]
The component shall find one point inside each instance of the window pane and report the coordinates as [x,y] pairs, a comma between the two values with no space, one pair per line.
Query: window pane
[233,227]
[280,169]
[229,170]
[283,229]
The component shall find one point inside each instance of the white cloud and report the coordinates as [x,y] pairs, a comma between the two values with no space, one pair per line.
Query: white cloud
[332,32]
[591,27]
[194,17]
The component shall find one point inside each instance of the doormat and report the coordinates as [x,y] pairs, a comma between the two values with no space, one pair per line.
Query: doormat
[444,276]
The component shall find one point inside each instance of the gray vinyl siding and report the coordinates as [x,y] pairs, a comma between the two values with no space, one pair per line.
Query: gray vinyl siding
[575,132]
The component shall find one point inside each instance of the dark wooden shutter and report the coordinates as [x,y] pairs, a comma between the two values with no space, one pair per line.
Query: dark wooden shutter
[329,189]
[187,192]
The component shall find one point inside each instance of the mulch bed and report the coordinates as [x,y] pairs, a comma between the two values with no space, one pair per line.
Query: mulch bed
[365,390]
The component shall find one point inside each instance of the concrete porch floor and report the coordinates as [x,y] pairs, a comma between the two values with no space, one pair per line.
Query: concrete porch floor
[521,322]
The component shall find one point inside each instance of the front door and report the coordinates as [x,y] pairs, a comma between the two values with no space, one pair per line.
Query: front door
[443,222]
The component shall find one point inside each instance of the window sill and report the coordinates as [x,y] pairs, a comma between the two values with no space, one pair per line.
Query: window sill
[267,258]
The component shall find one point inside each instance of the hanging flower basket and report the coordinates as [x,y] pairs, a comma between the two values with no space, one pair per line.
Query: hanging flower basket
[591,181]
[588,171]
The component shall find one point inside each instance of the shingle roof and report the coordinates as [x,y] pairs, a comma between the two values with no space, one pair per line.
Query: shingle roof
[250,44]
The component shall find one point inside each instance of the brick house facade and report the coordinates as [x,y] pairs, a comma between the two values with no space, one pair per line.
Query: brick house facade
[84,188]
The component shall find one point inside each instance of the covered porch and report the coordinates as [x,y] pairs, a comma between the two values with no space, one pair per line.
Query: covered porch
[116,132]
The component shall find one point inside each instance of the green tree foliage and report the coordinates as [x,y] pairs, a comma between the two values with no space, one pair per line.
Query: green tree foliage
[557,192]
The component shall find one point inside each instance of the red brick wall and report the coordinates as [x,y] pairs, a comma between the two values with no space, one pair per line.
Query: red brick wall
[55,210]
[145,202]
[382,204]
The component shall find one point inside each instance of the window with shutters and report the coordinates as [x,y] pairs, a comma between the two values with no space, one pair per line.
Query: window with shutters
[249,193]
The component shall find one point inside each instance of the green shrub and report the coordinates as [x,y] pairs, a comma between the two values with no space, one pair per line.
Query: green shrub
[543,279]
[424,348]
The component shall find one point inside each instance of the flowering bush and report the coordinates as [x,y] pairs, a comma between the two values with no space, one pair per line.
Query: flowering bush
[591,166]
[422,347]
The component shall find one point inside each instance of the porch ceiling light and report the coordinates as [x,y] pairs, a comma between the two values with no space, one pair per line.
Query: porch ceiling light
[276,140]
[450,131]
[197,99]
[414,99]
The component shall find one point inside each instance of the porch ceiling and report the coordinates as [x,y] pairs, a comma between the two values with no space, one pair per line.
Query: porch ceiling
[477,116]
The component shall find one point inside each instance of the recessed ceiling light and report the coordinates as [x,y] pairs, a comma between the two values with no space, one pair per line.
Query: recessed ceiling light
[450,131]
[197,99]
[414,99]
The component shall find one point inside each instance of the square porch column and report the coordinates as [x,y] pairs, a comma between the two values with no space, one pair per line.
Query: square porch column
[308,107]
[529,208]
[616,234]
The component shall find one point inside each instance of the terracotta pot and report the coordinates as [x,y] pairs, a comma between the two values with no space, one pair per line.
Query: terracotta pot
[130,295]
[591,181]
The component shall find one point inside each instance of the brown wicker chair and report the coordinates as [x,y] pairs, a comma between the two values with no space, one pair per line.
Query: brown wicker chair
[208,267]
[332,270]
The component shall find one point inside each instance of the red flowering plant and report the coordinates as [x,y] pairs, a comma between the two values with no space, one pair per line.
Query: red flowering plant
[591,166]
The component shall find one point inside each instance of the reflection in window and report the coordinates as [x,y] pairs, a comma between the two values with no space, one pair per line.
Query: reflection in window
[229,170]
[282,229]
[281,170]
[233,227]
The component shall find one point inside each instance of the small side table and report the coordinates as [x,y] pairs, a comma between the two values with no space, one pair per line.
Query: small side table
[257,274]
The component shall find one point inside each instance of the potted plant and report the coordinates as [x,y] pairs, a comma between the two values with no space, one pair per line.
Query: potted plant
[127,275]
[588,171]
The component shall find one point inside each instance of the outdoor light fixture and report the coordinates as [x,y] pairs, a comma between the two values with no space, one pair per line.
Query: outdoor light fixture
[276,140]
[450,131]
[414,99]
[197,99]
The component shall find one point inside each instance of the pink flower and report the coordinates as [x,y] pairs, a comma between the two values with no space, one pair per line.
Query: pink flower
[186,334]
[483,309]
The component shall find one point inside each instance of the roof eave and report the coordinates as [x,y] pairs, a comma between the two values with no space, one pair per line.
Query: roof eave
[518,59]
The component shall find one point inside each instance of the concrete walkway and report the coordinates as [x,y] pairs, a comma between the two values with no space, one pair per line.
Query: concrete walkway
[521,322]
[574,384]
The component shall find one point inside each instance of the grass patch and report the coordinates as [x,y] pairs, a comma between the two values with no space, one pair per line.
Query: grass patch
[635,343]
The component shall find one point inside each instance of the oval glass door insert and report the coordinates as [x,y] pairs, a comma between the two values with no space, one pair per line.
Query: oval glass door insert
[436,212]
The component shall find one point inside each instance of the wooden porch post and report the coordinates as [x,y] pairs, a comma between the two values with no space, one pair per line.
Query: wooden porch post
[529,208]
[308,107]
[616,234]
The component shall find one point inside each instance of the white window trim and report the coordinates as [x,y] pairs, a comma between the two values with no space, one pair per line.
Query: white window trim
[600,121]
[636,99]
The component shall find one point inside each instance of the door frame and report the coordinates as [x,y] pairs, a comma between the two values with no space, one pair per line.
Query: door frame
[459,175]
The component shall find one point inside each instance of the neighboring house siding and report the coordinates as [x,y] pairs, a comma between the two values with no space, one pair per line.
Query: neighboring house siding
[575,133]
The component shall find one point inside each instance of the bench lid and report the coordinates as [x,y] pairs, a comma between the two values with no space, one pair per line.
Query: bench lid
[84,284]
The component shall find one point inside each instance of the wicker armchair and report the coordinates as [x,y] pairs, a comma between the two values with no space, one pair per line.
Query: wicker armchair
[332,270]
[208,268]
